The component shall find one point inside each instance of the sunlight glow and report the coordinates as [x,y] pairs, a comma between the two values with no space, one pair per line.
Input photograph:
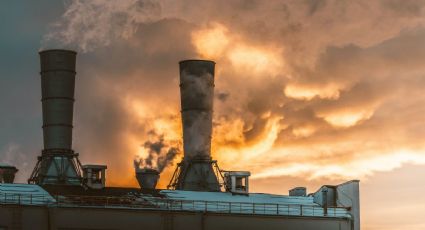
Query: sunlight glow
[302,92]
[357,168]
[247,58]
[244,152]
[211,42]
[303,131]
[217,42]
[347,118]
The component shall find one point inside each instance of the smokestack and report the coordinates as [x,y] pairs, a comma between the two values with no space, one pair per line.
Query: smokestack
[58,163]
[147,178]
[57,88]
[197,94]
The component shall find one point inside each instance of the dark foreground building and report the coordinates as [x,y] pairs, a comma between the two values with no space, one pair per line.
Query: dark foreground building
[63,194]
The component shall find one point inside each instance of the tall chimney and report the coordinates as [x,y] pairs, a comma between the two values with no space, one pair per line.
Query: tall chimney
[197,94]
[57,89]
[58,164]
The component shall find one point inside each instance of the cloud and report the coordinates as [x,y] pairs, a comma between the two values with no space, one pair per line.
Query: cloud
[88,25]
[305,92]
[308,88]
[13,154]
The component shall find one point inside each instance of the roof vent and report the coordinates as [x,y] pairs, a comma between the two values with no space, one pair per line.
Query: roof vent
[94,176]
[237,182]
[7,173]
[147,178]
[298,191]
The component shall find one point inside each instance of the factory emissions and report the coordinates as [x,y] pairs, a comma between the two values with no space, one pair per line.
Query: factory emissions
[160,154]
[200,194]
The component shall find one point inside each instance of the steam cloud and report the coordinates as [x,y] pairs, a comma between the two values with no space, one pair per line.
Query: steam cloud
[160,154]
[118,19]
[313,88]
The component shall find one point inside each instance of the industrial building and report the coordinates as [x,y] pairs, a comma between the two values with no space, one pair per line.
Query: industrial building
[64,194]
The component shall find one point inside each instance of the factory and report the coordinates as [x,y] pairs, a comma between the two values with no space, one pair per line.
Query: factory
[62,193]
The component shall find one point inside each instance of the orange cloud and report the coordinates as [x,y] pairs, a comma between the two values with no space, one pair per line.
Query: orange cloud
[301,92]
[346,118]
[217,42]
[211,42]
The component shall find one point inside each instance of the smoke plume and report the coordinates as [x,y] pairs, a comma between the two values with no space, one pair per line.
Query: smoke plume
[92,24]
[159,154]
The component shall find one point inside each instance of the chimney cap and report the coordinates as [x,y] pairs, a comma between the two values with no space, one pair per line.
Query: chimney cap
[6,166]
[196,60]
[57,50]
[92,166]
[147,171]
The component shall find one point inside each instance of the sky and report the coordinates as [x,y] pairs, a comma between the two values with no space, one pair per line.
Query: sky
[307,92]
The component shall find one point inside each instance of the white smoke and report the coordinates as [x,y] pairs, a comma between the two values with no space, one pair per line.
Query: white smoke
[12,154]
[86,25]
[160,153]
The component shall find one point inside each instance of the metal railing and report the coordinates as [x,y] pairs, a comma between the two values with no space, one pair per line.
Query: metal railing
[25,199]
[155,203]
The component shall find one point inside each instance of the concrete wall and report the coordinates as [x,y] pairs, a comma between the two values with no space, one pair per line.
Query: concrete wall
[14,217]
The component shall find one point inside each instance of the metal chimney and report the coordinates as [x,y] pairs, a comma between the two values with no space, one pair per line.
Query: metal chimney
[197,94]
[7,173]
[147,178]
[58,164]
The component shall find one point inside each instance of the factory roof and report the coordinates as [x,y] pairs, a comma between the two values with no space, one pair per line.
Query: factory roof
[24,194]
[253,204]
[229,197]
[167,200]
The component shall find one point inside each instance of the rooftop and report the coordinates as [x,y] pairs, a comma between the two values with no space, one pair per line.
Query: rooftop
[167,200]
[25,194]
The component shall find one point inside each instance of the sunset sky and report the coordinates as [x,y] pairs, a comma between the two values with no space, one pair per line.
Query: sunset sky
[307,92]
